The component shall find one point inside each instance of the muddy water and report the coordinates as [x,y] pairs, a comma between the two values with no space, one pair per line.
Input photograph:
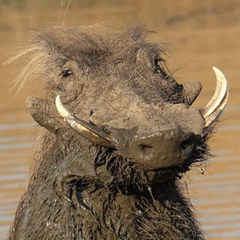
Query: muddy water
[200,35]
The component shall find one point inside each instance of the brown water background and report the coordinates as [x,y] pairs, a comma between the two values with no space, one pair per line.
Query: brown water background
[200,34]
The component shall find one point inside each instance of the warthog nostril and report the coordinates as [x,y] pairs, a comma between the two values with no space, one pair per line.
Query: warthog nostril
[147,150]
[187,142]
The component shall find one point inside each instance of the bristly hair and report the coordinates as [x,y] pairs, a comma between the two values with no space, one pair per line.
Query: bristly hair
[51,47]
[32,67]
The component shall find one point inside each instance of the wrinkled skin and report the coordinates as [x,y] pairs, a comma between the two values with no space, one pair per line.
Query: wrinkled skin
[81,190]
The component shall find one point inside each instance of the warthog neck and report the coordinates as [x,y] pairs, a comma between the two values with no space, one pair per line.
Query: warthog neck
[83,209]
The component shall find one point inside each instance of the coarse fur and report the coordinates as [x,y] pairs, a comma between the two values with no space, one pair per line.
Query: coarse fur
[80,190]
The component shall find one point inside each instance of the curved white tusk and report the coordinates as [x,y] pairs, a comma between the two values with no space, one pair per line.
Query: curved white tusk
[216,105]
[86,130]
[61,109]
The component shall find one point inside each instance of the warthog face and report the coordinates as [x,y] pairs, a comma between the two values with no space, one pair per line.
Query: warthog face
[120,95]
[117,123]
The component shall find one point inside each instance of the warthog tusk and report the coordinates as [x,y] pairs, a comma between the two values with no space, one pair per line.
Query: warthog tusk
[215,106]
[86,130]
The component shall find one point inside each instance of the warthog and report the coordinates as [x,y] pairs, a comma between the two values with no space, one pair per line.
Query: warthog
[118,133]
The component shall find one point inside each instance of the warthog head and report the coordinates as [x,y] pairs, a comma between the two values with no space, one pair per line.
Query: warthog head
[120,133]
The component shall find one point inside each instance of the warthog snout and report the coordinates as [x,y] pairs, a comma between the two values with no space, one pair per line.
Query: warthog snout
[162,149]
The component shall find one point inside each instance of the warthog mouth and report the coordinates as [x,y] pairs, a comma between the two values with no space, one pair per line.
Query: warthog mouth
[165,148]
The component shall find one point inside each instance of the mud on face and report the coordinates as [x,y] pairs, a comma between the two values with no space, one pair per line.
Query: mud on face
[117,92]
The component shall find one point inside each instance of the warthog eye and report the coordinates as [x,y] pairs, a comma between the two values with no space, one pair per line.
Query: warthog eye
[159,67]
[66,73]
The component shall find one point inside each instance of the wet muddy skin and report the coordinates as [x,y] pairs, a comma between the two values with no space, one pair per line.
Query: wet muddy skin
[116,175]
